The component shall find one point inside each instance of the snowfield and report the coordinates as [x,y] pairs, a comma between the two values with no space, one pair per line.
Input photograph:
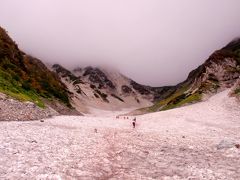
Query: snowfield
[199,141]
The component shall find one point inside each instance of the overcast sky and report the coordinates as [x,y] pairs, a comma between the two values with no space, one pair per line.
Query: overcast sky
[155,42]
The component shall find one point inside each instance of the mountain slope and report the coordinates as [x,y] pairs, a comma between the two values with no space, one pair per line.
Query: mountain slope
[105,89]
[220,71]
[27,78]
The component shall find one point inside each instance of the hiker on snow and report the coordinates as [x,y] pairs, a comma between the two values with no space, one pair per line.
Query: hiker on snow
[134,122]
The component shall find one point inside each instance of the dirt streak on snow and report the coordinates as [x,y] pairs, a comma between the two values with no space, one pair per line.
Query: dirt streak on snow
[175,144]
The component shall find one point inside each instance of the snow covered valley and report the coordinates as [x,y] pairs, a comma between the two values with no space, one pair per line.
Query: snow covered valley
[199,141]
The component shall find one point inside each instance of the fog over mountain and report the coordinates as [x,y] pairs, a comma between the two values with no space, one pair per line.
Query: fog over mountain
[153,42]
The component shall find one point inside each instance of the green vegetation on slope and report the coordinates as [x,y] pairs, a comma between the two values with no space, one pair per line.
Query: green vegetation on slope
[157,106]
[177,99]
[13,88]
[237,91]
[186,99]
[26,78]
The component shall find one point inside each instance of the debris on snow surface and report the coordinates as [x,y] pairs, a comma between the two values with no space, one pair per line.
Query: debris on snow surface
[68,147]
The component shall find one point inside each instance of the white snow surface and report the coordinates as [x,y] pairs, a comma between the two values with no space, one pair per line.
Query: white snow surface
[175,144]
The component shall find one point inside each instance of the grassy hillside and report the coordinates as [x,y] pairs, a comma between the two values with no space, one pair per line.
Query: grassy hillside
[25,77]
[174,100]
[237,91]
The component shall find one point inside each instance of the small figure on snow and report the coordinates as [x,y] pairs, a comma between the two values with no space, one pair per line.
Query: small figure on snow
[134,122]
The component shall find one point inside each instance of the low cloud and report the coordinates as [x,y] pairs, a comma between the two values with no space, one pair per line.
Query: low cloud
[154,42]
